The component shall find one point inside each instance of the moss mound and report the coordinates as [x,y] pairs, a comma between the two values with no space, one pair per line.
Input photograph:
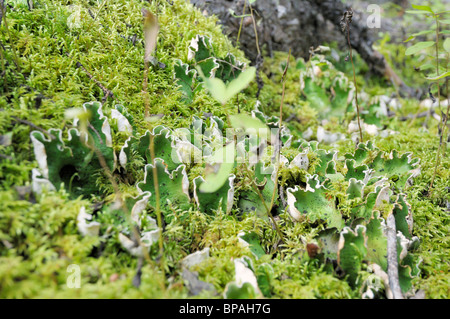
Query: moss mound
[61,55]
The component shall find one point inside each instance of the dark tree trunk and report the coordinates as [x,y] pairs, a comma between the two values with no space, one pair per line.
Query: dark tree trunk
[2,8]
[298,25]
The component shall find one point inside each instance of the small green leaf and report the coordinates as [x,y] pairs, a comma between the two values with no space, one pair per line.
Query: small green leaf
[173,186]
[352,251]
[219,172]
[223,197]
[423,8]
[413,36]
[234,291]
[447,45]
[439,77]
[250,124]
[264,276]
[409,39]
[376,241]
[417,12]
[427,66]
[221,92]
[422,33]
[254,244]
[419,47]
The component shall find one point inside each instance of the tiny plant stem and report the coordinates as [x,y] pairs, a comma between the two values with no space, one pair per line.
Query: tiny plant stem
[157,198]
[255,187]
[254,28]
[145,90]
[279,130]
[109,174]
[354,80]
[100,9]
[448,101]
[439,107]
[437,59]
[242,22]
[126,211]
[441,140]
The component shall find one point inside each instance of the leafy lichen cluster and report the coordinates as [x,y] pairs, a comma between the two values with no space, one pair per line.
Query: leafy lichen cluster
[59,207]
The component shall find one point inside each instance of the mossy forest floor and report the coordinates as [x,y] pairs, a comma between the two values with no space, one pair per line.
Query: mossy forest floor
[53,58]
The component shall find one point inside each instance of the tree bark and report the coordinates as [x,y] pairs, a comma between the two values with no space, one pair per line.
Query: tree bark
[299,25]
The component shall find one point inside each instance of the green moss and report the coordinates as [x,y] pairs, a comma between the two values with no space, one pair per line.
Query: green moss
[38,234]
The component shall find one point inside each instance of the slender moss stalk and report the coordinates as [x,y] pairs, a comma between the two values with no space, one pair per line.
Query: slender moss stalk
[268,210]
[279,129]
[118,194]
[242,22]
[347,19]
[254,28]
[442,133]
[145,90]
[100,9]
[277,164]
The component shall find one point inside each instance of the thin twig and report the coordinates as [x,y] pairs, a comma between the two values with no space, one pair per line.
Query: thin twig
[268,210]
[107,93]
[254,28]
[259,58]
[411,116]
[278,150]
[51,136]
[347,16]
[106,169]
[242,22]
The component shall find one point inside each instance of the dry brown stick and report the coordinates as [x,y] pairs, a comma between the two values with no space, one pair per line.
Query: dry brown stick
[106,92]
[411,116]
[34,126]
[392,257]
